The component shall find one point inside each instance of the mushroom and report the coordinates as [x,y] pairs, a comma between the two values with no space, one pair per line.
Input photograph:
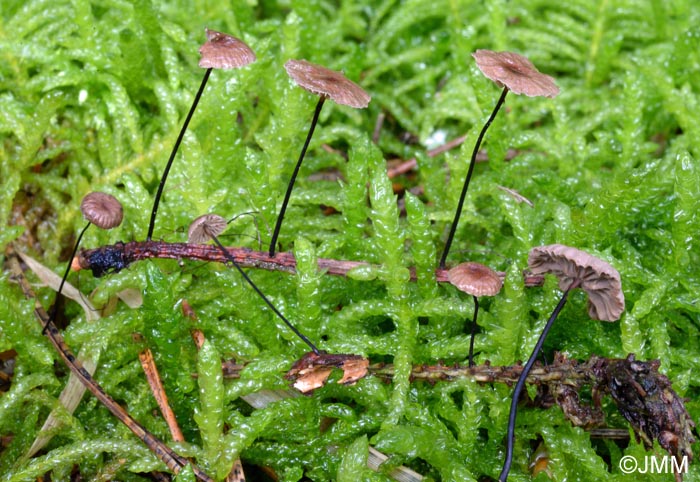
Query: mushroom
[598,279]
[104,211]
[512,72]
[220,51]
[209,227]
[223,51]
[327,84]
[574,269]
[477,280]
[205,227]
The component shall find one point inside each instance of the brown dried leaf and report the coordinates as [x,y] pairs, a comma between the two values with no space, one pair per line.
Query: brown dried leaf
[311,371]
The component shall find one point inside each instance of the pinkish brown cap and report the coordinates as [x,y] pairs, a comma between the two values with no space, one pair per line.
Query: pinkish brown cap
[222,51]
[325,82]
[515,72]
[475,279]
[598,279]
[102,209]
[205,227]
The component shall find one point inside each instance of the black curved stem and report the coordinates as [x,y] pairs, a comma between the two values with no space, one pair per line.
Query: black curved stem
[159,193]
[462,196]
[290,186]
[471,341]
[232,260]
[52,316]
[510,443]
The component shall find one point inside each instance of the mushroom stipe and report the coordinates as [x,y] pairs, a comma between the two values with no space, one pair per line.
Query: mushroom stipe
[512,72]
[327,84]
[210,226]
[220,51]
[575,269]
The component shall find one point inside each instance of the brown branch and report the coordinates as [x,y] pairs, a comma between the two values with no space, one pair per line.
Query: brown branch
[113,258]
[165,454]
[642,395]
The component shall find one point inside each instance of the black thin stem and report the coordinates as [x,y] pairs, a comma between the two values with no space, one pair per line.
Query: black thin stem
[159,193]
[521,383]
[290,186]
[471,341]
[54,309]
[232,260]
[472,163]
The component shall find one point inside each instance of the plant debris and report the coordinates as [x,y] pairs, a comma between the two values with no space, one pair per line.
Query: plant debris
[312,370]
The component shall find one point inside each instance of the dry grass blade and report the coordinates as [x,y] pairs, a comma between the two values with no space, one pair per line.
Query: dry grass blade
[53,281]
[74,390]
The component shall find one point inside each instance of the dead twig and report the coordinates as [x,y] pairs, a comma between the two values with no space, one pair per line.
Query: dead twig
[153,377]
[116,257]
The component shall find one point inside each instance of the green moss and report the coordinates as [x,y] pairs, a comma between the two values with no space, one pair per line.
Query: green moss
[93,95]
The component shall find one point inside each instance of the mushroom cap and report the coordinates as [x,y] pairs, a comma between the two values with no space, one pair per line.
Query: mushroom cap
[515,72]
[322,81]
[475,279]
[205,227]
[222,51]
[102,209]
[606,301]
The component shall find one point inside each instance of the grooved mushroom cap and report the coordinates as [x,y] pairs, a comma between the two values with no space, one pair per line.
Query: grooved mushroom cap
[102,209]
[205,227]
[475,279]
[606,301]
[222,51]
[322,81]
[515,72]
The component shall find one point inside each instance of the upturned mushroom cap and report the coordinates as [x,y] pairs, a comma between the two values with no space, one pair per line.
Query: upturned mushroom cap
[606,302]
[222,51]
[102,209]
[322,81]
[515,72]
[205,227]
[475,279]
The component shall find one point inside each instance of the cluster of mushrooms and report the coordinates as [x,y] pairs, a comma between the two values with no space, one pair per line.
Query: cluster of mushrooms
[573,268]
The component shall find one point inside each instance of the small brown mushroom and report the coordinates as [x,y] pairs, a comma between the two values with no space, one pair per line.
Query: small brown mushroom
[515,72]
[98,208]
[575,269]
[205,228]
[102,209]
[223,51]
[220,51]
[512,72]
[327,84]
[598,279]
[477,280]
